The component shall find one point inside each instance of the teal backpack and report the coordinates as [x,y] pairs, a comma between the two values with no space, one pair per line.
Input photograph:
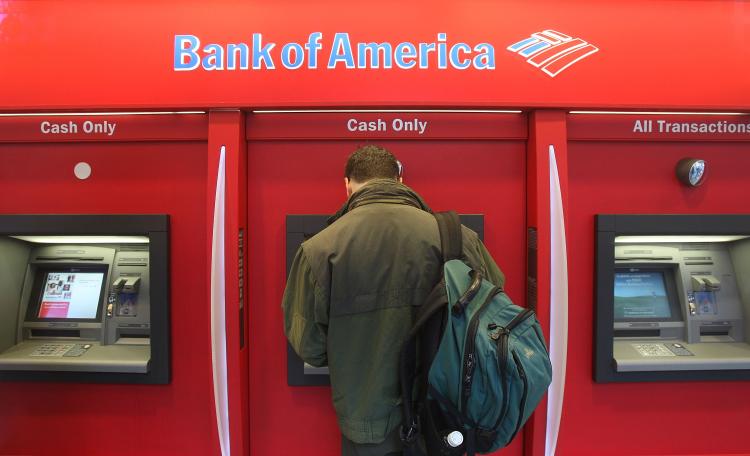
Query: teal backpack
[473,367]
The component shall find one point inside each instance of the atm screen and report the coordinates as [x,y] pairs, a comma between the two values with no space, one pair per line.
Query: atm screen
[644,294]
[61,293]
[70,295]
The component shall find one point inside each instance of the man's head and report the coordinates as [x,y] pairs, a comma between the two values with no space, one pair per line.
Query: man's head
[367,163]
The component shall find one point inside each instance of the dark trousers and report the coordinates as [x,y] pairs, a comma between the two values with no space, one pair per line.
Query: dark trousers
[391,446]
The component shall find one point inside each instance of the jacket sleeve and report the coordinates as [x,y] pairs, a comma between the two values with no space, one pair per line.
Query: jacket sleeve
[305,313]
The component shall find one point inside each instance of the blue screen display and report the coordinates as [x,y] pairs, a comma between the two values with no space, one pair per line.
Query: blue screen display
[641,295]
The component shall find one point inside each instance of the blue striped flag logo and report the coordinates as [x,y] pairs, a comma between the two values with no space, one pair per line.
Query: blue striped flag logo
[552,51]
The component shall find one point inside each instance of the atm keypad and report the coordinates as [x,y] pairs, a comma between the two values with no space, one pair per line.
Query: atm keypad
[652,350]
[60,350]
[52,350]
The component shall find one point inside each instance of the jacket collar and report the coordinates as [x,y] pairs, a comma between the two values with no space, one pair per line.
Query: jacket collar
[381,191]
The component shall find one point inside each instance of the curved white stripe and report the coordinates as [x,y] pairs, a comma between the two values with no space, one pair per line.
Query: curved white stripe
[558,307]
[218,326]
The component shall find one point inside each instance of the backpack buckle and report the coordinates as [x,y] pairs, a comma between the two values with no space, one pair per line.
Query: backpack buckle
[409,435]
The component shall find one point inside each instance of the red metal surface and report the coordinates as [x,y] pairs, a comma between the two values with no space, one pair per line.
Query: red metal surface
[80,54]
[40,418]
[665,418]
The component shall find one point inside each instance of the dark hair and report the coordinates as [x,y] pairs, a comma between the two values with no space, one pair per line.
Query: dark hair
[371,162]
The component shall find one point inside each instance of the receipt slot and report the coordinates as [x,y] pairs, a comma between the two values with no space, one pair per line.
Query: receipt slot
[84,298]
[673,297]
[299,228]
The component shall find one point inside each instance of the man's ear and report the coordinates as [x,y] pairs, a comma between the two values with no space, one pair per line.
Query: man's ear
[348,185]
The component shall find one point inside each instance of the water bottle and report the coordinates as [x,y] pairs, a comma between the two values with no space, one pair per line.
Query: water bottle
[454,439]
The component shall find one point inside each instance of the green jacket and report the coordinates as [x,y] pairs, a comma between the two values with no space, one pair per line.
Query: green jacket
[352,293]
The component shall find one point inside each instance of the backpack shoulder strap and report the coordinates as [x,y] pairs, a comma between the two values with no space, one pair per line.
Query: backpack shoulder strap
[450,234]
[424,337]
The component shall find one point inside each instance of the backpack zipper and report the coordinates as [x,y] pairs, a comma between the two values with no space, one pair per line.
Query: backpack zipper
[502,352]
[469,361]
[522,374]
[525,313]
[505,334]
[501,340]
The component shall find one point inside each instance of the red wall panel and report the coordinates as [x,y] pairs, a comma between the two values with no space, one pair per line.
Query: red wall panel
[665,418]
[293,177]
[66,418]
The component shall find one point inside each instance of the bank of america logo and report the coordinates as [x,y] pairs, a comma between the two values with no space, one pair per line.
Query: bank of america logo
[552,51]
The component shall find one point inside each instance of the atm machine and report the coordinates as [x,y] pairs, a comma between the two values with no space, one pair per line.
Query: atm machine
[84,307]
[673,297]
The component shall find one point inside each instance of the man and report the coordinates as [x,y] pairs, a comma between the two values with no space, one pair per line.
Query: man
[353,291]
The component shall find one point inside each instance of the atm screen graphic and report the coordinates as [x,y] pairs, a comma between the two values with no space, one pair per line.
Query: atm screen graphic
[70,295]
[641,295]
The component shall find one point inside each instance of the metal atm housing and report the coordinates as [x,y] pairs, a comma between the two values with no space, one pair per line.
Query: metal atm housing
[85,298]
[298,229]
[673,297]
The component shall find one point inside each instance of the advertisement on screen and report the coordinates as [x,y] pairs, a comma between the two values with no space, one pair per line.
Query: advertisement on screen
[641,295]
[71,295]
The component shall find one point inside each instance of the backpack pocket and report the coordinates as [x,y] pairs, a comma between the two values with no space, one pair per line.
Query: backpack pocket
[533,371]
[524,394]
[524,370]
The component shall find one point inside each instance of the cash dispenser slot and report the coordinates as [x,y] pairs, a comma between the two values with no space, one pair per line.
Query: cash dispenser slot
[642,333]
[643,258]
[716,333]
[132,334]
[69,258]
[46,333]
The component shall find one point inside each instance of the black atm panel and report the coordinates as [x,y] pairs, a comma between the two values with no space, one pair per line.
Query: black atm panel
[298,229]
